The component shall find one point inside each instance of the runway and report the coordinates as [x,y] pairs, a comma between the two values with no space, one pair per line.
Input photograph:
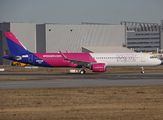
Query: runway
[51,80]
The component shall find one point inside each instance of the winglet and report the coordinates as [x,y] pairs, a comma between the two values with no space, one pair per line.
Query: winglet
[65,58]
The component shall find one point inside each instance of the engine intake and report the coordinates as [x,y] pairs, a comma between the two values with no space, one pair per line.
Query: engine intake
[100,67]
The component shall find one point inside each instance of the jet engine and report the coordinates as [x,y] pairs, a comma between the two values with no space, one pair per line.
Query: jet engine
[99,67]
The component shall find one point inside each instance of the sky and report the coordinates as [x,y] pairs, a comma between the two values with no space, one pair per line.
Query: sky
[78,11]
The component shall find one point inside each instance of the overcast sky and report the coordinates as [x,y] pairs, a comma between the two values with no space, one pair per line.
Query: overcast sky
[77,11]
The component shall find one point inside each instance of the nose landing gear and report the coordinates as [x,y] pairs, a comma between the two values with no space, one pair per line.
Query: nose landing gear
[142,70]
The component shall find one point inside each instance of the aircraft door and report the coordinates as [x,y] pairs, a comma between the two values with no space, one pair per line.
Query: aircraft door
[30,58]
[142,58]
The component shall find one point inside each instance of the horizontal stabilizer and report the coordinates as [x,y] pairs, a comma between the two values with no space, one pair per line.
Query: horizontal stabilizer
[12,57]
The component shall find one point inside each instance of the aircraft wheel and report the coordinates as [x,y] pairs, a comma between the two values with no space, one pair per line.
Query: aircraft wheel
[82,72]
[142,72]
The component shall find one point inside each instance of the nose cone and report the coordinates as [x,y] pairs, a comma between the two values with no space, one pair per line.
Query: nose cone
[158,62]
[161,62]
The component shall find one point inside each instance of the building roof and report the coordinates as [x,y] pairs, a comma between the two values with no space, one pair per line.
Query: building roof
[106,49]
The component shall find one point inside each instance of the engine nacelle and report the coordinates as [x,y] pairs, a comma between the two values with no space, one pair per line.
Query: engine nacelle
[99,67]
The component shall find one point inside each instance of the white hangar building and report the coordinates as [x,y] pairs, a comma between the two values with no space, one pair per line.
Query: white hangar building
[55,37]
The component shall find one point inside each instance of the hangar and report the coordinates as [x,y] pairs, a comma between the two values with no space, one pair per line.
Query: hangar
[106,49]
[55,37]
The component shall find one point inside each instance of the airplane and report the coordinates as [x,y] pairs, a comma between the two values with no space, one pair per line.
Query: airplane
[97,62]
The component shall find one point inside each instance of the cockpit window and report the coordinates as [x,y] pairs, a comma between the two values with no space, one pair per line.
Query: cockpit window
[151,57]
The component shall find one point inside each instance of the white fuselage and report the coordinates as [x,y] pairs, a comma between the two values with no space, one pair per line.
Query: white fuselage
[126,59]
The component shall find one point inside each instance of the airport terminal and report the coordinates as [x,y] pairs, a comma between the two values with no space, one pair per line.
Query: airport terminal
[144,36]
[85,37]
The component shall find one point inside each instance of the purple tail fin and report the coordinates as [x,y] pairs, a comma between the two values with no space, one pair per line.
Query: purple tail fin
[14,45]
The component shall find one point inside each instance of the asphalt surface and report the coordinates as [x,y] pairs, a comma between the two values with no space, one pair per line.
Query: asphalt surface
[51,80]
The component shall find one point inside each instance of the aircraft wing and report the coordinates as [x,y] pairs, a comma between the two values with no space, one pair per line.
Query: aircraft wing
[85,63]
[77,62]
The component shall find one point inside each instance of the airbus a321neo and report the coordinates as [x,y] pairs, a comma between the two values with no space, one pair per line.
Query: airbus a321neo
[97,62]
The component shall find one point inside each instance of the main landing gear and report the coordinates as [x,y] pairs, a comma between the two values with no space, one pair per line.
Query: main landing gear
[82,71]
[142,70]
